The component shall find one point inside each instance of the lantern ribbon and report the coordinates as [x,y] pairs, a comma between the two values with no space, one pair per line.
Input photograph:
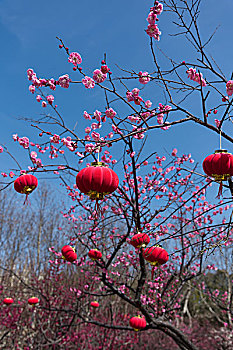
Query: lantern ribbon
[219,190]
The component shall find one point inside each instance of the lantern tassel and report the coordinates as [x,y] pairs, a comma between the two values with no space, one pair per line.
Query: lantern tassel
[220,190]
[27,202]
[152,272]
[98,210]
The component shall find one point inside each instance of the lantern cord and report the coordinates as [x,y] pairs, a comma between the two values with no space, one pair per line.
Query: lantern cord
[98,156]
[220,141]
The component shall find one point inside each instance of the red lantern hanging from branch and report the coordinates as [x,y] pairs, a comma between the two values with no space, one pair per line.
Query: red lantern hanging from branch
[8,301]
[68,253]
[95,254]
[219,166]
[156,255]
[137,323]
[140,240]
[33,301]
[95,304]
[97,180]
[26,184]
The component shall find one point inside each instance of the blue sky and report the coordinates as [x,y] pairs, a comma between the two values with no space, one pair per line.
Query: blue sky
[28,40]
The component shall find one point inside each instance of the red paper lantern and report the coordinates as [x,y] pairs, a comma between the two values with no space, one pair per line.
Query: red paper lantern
[95,304]
[219,166]
[97,180]
[68,253]
[156,255]
[140,240]
[33,301]
[95,254]
[137,323]
[26,184]
[8,301]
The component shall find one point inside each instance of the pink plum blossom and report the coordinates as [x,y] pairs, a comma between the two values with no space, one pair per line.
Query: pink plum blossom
[144,77]
[148,104]
[110,113]
[129,96]
[153,31]
[95,135]
[217,122]
[151,18]
[55,138]
[44,104]
[33,154]
[95,126]
[86,115]
[87,130]
[64,81]
[229,87]
[88,82]
[30,73]
[97,115]
[160,118]
[195,76]
[50,99]
[32,89]
[158,8]
[89,147]
[38,98]
[98,76]
[135,92]
[24,141]
[1,149]
[105,69]
[11,174]
[75,58]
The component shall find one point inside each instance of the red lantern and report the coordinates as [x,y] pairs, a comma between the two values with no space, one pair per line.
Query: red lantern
[137,323]
[8,301]
[25,184]
[68,253]
[33,301]
[219,166]
[95,254]
[97,180]
[140,240]
[156,255]
[95,304]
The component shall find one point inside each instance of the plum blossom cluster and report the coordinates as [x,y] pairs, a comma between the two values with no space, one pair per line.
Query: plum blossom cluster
[35,160]
[164,110]
[195,76]
[144,77]
[152,29]
[88,82]
[63,81]
[134,96]
[75,58]
[23,141]
[229,87]
[99,76]
[69,143]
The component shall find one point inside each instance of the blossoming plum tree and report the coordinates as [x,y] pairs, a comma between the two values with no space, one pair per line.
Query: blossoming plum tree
[161,196]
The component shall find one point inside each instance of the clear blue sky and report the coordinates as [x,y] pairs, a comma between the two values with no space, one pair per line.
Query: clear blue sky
[28,40]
